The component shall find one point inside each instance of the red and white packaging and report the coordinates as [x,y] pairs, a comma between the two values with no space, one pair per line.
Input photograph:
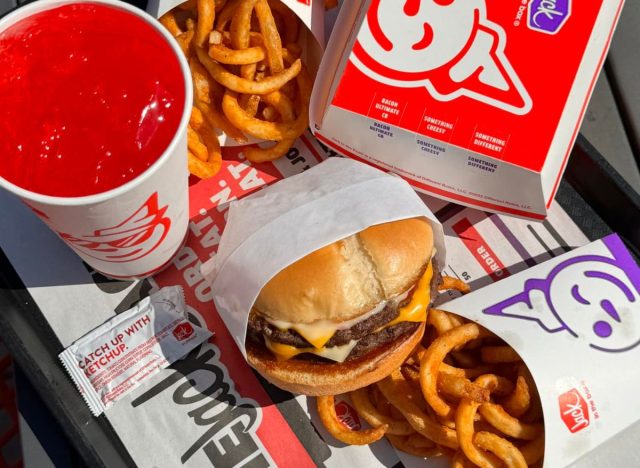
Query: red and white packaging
[477,102]
[132,347]
[135,229]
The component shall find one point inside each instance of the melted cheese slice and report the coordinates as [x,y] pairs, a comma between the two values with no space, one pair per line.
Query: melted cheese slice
[416,309]
[318,334]
[335,353]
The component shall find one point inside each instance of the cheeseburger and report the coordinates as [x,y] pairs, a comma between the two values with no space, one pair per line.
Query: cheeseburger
[348,314]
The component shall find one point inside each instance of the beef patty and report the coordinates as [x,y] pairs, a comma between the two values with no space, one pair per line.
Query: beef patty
[369,332]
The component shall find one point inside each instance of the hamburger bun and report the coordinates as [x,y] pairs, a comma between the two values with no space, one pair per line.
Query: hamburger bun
[343,284]
[346,279]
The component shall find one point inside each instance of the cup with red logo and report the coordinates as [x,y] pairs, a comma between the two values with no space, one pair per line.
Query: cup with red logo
[96,98]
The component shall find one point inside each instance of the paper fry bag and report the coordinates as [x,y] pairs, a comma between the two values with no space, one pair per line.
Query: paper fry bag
[277,226]
[575,321]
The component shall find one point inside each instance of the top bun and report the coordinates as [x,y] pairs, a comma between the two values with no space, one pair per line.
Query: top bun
[351,276]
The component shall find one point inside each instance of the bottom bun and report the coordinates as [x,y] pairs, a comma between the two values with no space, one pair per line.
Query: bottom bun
[319,378]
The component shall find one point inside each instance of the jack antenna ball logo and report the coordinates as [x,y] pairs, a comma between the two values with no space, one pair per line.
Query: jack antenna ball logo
[594,299]
[447,46]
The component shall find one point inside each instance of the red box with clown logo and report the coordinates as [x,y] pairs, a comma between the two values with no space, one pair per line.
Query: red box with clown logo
[475,101]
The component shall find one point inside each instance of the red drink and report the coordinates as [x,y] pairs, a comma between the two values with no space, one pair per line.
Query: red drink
[90,97]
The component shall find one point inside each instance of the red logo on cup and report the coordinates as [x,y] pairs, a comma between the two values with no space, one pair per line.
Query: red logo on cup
[449,47]
[183,331]
[132,239]
[574,410]
[348,416]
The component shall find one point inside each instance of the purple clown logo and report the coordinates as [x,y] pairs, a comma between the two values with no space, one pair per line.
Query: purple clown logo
[595,299]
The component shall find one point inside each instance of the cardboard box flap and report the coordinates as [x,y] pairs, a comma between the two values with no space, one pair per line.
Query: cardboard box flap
[273,228]
[456,87]
[575,321]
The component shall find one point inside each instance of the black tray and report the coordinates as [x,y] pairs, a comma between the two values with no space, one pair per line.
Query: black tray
[592,193]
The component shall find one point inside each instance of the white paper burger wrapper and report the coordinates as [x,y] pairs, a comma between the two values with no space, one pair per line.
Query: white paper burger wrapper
[575,321]
[277,226]
[312,38]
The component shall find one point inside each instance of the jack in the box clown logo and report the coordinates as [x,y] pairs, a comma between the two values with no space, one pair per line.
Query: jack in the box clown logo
[448,46]
[589,297]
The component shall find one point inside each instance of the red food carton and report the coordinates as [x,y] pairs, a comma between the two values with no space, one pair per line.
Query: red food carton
[476,101]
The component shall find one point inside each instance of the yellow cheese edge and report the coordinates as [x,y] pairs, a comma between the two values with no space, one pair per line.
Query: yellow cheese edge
[415,311]
[284,352]
[317,335]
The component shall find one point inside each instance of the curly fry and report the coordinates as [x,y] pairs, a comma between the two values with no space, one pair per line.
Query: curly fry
[328,416]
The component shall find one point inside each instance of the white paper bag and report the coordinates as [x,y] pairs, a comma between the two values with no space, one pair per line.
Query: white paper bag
[575,321]
[277,226]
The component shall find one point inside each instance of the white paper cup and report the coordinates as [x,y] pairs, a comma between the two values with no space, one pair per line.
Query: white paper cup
[135,229]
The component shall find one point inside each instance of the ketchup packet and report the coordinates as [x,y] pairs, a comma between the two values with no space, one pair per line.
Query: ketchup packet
[130,348]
